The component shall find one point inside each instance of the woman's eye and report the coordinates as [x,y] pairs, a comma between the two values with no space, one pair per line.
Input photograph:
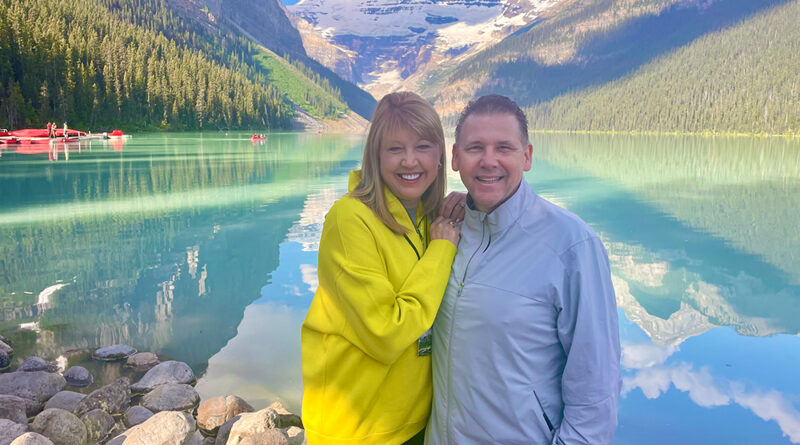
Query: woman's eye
[395,149]
[423,147]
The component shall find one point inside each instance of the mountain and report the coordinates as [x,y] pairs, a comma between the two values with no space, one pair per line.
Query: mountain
[384,45]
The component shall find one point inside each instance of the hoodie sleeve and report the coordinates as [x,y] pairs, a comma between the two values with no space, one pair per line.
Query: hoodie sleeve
[380,321]
[589,333]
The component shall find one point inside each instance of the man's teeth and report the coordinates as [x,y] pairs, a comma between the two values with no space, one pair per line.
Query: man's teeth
[492,179]
[411,177]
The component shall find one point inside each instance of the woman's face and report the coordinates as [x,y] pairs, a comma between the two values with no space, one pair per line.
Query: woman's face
[409,164]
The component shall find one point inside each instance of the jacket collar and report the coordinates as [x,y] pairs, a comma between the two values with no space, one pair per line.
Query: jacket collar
[396,209]
[505,215]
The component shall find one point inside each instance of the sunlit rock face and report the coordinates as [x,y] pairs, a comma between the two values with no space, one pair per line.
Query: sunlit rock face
[385,45]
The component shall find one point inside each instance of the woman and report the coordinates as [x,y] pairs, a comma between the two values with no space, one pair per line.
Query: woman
[383,268]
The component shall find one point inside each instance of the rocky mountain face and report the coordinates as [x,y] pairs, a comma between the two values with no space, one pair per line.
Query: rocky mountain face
[385,45]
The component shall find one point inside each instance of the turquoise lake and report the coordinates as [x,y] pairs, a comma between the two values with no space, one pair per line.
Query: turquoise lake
[203,248]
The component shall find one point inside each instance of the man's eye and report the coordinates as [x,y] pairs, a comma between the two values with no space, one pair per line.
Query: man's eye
[474,148]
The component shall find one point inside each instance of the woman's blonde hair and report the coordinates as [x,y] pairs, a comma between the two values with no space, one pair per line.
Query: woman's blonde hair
[400,110]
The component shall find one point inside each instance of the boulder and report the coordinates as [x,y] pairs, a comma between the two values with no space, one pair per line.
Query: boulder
[34,387]
[5,360]
[142,361]
[114,398]
[225,431]
[6,347]
[136,415]
[6,341]
[288,419]
[99,425]
[67,400]
[171,397]
[78,376]
[36,364]
[163,373]
[267,419]
[269,437]
[164,428]
[13,408]
[32,439]
[116,352]
[197,439]
[214,412]
[60,426]
[297,436]
[10,430]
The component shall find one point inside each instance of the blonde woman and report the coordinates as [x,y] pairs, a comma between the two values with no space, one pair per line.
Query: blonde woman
[384,261]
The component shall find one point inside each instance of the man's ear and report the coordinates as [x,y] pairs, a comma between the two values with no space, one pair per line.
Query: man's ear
[454,159]
[528,157]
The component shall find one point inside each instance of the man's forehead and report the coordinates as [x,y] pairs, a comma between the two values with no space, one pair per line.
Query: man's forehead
[496,118]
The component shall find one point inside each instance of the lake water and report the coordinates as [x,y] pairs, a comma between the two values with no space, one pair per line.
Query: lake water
[203,248]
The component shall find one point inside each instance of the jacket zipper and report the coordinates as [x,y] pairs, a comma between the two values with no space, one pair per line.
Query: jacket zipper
[452,324]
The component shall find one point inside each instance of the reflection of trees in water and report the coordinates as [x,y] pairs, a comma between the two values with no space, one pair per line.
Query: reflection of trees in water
[172,282]
[740,189]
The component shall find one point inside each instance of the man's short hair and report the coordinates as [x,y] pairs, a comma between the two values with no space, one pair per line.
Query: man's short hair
[494,104]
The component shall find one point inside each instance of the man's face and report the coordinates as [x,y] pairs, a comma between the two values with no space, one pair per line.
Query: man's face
[491,156]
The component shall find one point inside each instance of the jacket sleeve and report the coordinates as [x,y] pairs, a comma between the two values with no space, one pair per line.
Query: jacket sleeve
[380,320]
[589,333]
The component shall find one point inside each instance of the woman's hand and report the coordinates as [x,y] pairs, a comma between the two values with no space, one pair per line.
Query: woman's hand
[454,205]
[446,228]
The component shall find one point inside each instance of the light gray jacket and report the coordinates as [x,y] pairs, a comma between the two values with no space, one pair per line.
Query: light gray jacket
[526,342]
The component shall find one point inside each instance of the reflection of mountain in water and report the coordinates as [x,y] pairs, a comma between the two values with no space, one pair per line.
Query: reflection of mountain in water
[172,281]
[696,236]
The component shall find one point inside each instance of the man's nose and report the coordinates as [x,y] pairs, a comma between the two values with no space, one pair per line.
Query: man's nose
[489,158]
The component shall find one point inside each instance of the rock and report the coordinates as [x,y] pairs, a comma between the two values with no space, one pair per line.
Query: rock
[6,341]
[5,347]
[197,439]
[136,415]
[78,376]
[116,352]
[164,428]
[32,439]
[142,361]
[36,364]
[60,426]
[114,398]
[225,430]
[13,408]
[35,387]
[269,437]
[214,412]
[163,373]
[99,425]
[171,397]
[67,400]
[10,430]
[297,436]
[5,360]
[261,421]
[210,441]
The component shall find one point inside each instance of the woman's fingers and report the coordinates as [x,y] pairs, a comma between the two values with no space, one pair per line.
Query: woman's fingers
[454,205]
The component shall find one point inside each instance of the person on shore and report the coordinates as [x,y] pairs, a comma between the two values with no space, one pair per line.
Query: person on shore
[49,133]
[65,131]
[384,260]
[526,342]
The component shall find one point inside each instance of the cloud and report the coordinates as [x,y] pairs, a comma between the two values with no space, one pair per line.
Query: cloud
[645,355]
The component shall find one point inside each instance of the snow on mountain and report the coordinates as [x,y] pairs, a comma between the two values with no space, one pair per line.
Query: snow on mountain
[388,41]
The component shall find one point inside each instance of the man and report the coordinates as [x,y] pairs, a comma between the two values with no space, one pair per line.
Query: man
[526,342]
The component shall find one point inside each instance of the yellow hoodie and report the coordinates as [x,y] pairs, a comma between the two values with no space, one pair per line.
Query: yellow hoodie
[363,380]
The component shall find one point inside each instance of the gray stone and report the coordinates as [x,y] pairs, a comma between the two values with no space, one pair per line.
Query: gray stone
[13,408]
[116,352]
[67,400]
[60,426]
[10,430]
[196,439]
[5,360]
[36,364]
[164,428]
[269,437]
[99,425]
[6,348]
[32,439]
[35,387]
[114,398]
[225,431]
[78,376]
[210,441]
[297,436]
[216,411]
[163,373]
[262,421]
[136,415]
[142,361]
[171,397]
[6,341]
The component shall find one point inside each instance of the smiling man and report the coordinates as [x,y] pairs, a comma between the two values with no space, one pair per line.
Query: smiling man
[526,342]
